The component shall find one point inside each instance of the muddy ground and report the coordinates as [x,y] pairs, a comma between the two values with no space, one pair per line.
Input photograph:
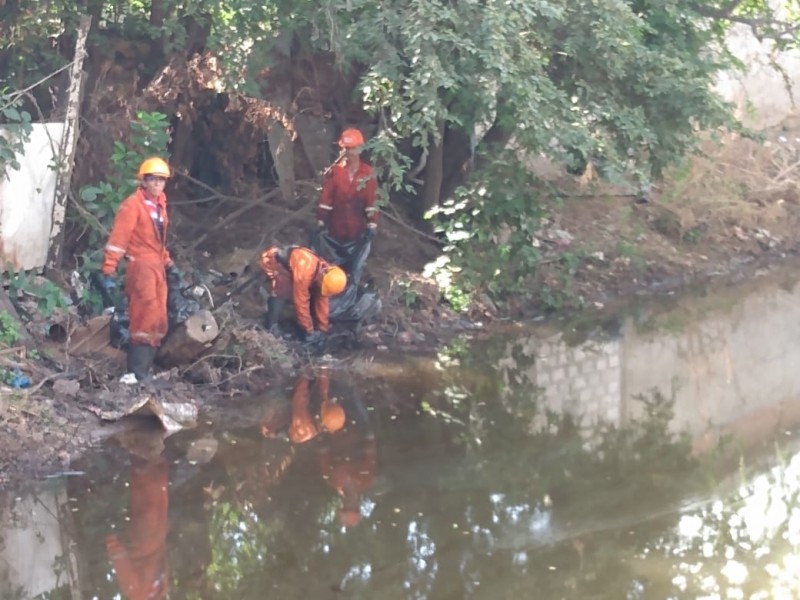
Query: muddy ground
[728,215]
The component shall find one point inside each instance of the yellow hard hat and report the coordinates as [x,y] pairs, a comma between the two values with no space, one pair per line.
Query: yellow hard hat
[334,280]
[154,166]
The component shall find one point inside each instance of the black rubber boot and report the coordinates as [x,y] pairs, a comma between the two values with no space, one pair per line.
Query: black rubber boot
[274,310]
[140,359]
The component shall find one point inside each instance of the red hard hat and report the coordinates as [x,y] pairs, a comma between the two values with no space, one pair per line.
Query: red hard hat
[349,517]
[351,138]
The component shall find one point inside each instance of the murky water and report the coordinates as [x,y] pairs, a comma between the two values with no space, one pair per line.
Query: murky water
[655,455]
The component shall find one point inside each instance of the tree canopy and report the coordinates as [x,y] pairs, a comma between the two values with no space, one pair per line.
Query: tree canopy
[457,94]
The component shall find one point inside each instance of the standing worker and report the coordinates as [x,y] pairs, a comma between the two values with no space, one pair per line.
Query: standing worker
[346,215]
[141,565]
[297,274]
[140,235]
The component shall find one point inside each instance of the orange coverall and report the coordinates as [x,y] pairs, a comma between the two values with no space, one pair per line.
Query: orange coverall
[141,568]
[348,464]
[300,284]
[347,205]
[331,416]
[136,236]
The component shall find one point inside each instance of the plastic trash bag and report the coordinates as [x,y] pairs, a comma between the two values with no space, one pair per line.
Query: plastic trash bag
[355,303]
[119,328]
[181,304]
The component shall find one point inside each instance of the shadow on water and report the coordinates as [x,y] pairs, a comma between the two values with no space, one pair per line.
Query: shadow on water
[659,458]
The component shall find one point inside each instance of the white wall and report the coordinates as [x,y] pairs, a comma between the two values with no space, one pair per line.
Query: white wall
[26,200]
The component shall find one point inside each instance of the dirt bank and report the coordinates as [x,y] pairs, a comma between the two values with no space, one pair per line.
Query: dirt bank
[723,217]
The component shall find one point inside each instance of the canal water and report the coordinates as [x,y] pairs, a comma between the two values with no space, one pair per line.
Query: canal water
[653,453]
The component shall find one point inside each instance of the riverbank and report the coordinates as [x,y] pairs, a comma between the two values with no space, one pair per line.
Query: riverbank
[724,218]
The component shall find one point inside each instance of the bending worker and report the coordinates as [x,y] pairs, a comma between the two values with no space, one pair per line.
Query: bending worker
[140,235]
[346,215]
[349,461]
[298,274]
[305,424]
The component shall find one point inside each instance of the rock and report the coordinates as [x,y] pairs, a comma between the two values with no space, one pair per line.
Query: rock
[66,387]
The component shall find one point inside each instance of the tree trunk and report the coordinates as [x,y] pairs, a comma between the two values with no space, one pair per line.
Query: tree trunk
[432,187]
[186,342]
[457,152]
[158,13]
[68,144]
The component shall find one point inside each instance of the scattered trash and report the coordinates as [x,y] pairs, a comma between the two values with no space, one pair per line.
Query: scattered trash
[19,381]
[174,416]
[128,379]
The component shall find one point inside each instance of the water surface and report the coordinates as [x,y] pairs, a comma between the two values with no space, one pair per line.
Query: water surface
[654,454]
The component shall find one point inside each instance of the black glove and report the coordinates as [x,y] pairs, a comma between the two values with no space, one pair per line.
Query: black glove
[370,233]
[174,276]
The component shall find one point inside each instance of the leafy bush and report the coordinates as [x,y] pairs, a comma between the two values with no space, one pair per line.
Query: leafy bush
[17,127]
[9,333]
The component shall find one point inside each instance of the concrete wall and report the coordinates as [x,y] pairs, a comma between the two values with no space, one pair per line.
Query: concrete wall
[731,366]
[31,545]
[26,200]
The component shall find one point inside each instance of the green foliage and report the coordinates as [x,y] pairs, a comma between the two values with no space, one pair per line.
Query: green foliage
[149,136]
[48,295]
[624,86]
[9,331]
[408,294]
[17,125]
[490,227]
[632,253]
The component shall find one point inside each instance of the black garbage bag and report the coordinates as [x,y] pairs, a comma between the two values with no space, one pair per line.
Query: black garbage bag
[355,303]
[119,327]
[181,304]
[114,300]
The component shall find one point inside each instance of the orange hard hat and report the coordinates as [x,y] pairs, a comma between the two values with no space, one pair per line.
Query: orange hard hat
[332,416]
[154,166]
[351,138]
[334,280]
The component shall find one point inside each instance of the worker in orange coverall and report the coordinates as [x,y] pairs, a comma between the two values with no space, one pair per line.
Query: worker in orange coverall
[348,461]
[297,274]
[348,457]
[141,564]
[347,218]
[304,426]
[139,234]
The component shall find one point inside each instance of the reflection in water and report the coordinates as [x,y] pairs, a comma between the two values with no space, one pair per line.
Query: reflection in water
[348,453]
[140,563]
[589,470]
